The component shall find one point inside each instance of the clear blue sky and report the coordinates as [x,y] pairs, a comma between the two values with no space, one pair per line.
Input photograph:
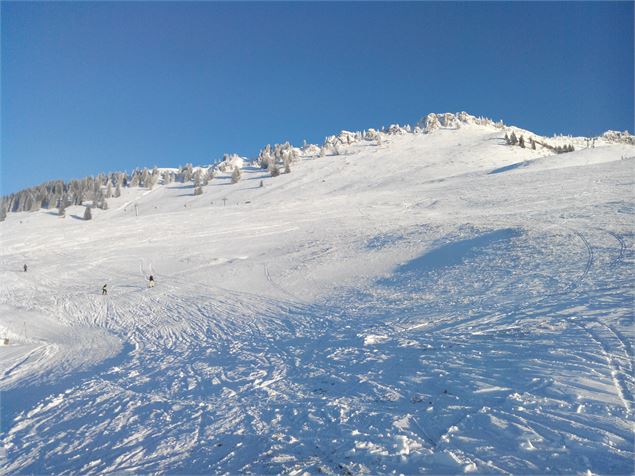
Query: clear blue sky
[90,87]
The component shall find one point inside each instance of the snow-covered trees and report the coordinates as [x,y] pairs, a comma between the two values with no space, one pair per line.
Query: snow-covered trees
[197,178]
[236,175]
[3,213]
[136,179]
[88,214]
[49,194]
[100,201]
[186,172]
[618,137]
[264,157]
[147,179]
[370,134]
[280,155]
[230,162]
[61,207]
[563,149]
[450,120]
[431,122]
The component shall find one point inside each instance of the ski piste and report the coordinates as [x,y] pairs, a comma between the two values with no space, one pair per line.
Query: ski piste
[434,302]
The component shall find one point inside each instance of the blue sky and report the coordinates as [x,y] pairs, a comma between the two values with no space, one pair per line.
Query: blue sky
[90,87]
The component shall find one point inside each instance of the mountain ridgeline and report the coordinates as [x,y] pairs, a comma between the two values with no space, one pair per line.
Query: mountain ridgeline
[94,191]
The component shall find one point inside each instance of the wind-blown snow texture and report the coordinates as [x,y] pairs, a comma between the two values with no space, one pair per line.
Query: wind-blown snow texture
[439,303]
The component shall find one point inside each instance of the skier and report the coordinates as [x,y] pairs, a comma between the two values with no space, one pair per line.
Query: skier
[151,281]
[25,268]
[104,290]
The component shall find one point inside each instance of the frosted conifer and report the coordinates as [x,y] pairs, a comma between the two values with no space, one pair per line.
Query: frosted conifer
[236,175]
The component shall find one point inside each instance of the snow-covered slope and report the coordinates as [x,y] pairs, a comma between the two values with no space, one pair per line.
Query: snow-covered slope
[438,303]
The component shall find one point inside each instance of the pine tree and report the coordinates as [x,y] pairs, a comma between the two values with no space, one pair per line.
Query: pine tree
[151,181]
[3,213]
[513,139]
[521,142]
[236,175]
[187,172]
[61,207]
[88,214]
[36,203]
[507,141]
[118,191]
[198,190]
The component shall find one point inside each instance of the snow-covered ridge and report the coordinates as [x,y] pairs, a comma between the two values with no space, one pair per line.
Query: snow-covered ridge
[94,191]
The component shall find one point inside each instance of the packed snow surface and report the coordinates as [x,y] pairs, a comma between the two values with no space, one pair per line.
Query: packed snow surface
[433,303]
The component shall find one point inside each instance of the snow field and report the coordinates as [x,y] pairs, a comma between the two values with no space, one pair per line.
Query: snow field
[396,309]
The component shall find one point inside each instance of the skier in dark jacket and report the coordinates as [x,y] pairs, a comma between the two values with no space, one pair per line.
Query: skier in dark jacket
[25,268]
[104,290]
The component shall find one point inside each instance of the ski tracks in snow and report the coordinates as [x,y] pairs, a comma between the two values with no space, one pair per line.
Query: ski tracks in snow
[218,380]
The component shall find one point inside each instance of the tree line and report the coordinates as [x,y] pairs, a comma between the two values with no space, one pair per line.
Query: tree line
[92,191]
[512,139]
